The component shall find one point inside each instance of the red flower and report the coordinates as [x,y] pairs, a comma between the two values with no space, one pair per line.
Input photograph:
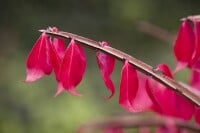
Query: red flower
[166,101]
[133,96]
[72,69]
[187,44]
[128,86]
[38,62]
[187,52]
[106,65]
[184,45]
[51,54]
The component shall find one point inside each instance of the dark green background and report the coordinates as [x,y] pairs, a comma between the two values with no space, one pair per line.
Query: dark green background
[31,107]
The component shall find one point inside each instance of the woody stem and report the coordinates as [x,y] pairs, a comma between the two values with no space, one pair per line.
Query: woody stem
[139,65]
[136,121]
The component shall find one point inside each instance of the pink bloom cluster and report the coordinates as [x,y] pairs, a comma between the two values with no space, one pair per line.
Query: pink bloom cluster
[137,92]
[50,54]
[187,52]
[68,63]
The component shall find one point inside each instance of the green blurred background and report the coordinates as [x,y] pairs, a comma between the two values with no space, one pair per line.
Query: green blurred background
[31,107]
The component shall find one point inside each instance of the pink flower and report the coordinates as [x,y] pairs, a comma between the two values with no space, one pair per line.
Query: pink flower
[187,44]
[50,54]
[38,62]
[184,45]
[166,101]
[187,52]
[106,65]
[128,86]
[72,69]
[133,96]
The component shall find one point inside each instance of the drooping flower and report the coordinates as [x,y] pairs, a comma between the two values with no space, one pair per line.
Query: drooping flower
[166,101]
[133,96]
[187,44]
[38,62]
[128,86]
[72,68]
[184,45]
[106,65]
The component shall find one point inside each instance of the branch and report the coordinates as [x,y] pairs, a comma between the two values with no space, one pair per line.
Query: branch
[139,65]
[136,121]
[156,31]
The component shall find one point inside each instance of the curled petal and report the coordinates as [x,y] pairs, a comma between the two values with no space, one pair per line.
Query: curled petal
[128,86]
[38,62]
[73,67]
[106,65]
[184,45]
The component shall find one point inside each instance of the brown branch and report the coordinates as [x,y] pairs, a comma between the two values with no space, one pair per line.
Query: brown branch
[156,31]
[136,121]
[139,65]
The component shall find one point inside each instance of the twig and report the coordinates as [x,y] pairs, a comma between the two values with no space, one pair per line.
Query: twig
[136,121]
[139,65]
[156,31]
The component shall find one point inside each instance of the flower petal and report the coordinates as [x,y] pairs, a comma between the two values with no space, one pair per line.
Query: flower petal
[73,67]
[197,115]
[56,61]
[184,45]
[167,101]
[60,89]
[128,86]
[196,53]
[60,47]
[38,62]
[106,65]
[142,102]
[156,105]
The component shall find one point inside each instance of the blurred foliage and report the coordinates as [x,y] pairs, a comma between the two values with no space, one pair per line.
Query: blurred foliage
[31,107]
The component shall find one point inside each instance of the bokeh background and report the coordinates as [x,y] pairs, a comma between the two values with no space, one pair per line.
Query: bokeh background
[31,107]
